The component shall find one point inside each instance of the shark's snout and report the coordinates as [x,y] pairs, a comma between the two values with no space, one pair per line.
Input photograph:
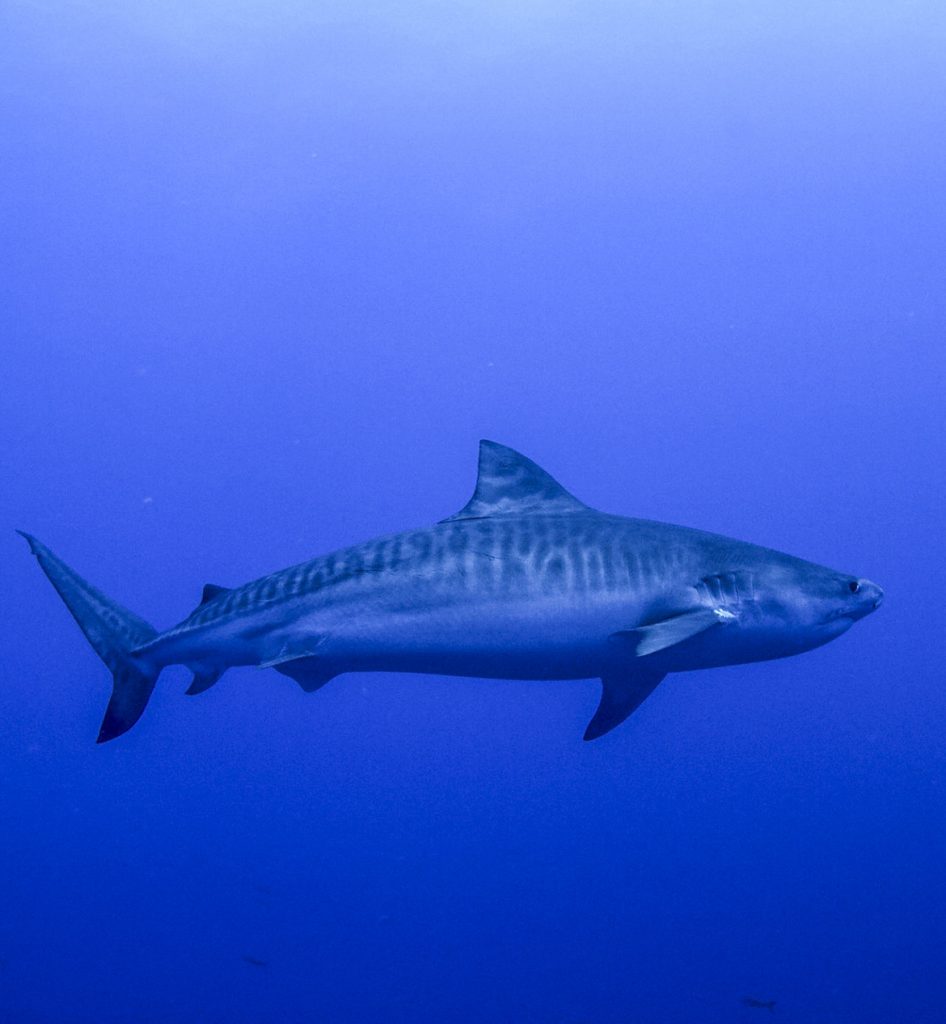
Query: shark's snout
[871,596]
[861,597]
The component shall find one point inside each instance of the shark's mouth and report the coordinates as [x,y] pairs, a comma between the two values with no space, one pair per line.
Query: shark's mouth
[836,616]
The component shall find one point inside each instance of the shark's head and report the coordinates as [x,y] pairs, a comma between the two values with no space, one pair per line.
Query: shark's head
[774,606]
[807,605]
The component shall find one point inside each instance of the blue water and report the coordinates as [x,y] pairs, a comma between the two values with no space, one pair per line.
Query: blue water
[270,272]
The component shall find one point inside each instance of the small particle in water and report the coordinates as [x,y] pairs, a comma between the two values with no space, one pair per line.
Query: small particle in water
[254,961]
[759,1004]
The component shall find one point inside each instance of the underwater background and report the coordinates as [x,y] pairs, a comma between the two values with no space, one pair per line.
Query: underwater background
[270,271]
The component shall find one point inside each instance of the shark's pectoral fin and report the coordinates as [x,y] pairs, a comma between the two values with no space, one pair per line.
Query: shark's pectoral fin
[622,693]
[310,673]
[659,635]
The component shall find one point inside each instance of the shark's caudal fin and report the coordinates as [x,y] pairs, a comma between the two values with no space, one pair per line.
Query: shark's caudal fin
[113,632]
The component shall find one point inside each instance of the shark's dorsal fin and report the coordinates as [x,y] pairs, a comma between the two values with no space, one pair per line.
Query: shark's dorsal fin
[508,483]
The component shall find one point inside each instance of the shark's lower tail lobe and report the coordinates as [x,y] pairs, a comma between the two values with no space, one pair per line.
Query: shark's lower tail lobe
[114,633]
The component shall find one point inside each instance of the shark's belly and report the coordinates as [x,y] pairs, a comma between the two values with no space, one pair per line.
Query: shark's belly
[424,629]
[526,637]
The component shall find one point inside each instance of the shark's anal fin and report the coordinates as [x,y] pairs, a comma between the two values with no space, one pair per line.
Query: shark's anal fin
[659,635]
[310,673]
[622,693]
[203,680]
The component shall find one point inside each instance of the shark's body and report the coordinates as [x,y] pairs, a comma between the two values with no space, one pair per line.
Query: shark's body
[525,582]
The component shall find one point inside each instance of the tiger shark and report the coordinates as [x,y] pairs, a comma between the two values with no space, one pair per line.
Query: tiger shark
[524,582]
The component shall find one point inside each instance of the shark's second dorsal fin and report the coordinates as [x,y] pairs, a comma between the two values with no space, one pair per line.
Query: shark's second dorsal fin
[510,484]
[211,590]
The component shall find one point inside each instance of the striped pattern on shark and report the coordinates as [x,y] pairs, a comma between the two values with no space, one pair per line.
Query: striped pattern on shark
[524,582]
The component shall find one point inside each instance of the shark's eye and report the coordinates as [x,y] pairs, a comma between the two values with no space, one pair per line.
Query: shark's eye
[854,586]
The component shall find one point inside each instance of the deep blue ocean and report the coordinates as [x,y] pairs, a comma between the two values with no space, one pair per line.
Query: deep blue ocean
[270,271]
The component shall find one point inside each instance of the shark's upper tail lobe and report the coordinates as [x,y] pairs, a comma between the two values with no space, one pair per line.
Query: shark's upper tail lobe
[114,633]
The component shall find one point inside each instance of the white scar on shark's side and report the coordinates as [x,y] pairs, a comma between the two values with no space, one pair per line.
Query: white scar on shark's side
[525,582]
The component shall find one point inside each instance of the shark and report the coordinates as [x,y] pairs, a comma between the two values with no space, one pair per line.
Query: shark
[524,582]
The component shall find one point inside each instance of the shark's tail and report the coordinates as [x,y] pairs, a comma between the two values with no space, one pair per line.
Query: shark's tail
[114,633]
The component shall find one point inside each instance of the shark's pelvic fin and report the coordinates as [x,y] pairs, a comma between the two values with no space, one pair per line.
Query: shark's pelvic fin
[310,673]
[622,693]
[508,483]
[659,635]
[114,633]
[305,648]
